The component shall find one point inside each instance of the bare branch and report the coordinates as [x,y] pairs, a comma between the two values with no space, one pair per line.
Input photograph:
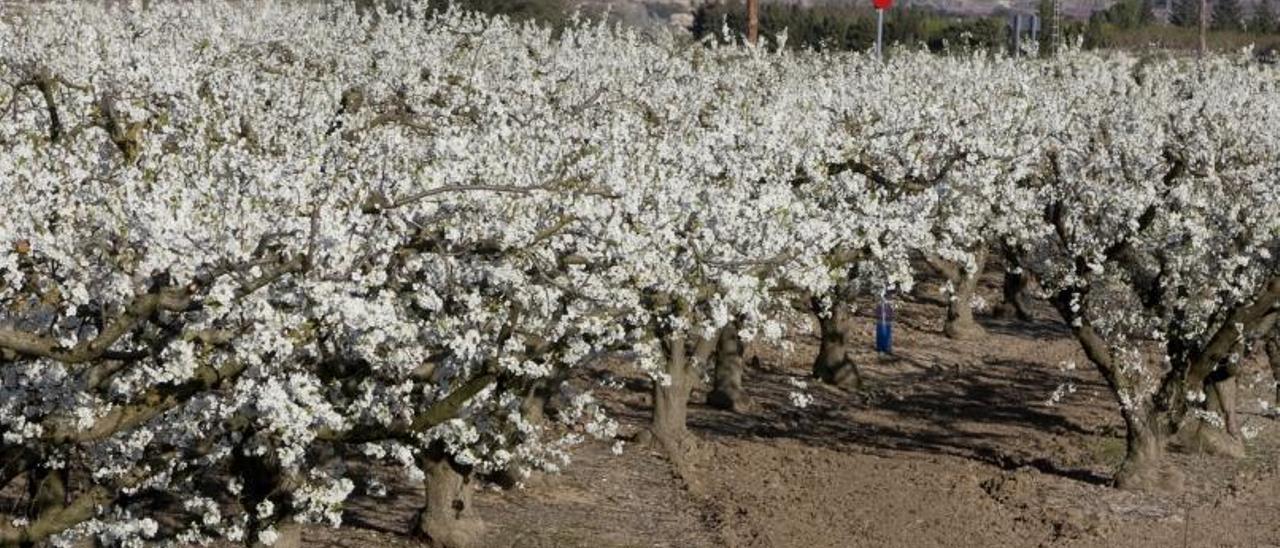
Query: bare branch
[141,308]
[55,520]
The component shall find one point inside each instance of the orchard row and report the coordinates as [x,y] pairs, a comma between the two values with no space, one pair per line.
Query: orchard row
[244,246]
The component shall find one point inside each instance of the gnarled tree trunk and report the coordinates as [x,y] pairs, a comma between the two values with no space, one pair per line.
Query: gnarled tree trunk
[1216,371]
[1148,420]
[1223,400]
[449,519]
[1017,283]
[683,354]
[726,392]
[264,481]
[964,284]
[1145,442]
[1154,421]
[834,363]
[1214,438]
[671,399]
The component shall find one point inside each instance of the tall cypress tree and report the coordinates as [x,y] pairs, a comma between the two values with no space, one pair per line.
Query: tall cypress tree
[1147,13]
[1125,14]
[1095,36]
[1227,15]
[1264,18]
[1185,13]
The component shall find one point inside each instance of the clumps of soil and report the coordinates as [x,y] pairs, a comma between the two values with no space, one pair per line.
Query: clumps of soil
[1007,440]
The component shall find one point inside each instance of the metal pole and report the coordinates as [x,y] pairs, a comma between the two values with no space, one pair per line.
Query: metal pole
[1017,35]
[879,34]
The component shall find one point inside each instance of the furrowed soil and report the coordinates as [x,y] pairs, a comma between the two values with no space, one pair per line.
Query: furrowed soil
[1006,440]
[948,443]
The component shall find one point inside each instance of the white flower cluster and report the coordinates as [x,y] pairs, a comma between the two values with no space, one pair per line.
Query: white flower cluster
[244,237]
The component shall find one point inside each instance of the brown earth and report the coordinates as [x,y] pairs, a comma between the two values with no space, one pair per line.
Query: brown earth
[948,444]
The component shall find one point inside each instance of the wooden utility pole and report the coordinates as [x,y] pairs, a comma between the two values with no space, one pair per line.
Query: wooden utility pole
[753,21]
[1204,26]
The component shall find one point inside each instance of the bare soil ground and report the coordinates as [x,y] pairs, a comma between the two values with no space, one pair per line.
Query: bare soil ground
[948,444]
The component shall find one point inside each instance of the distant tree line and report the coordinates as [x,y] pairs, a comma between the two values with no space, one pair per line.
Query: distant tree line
[1128,21]
[852,27]
[845,27]
[554,12]
[1225,15]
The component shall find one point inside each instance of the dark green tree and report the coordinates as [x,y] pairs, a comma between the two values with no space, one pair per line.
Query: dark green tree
[554,12]
[849,26]
[1186,13]
[1264,18]
[1125,14]
[1049,35]
[1227,15]
[1095,36]
[1147,13]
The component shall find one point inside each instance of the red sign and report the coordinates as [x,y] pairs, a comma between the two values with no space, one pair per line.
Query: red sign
[882,4]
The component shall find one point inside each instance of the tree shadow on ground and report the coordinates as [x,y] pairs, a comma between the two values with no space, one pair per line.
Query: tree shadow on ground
[1035,329]
[924,402]
[980,415]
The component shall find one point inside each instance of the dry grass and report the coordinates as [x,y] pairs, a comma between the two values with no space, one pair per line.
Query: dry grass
[1182,38]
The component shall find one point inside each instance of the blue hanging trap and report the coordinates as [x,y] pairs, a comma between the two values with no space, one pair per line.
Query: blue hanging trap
[884,327]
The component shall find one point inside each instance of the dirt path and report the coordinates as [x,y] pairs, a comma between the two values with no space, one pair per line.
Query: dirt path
[948,444]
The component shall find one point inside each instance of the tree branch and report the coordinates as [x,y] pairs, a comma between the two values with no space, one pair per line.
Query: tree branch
[439,412]
[141,308]
[55,520]
[1227,337]
[149,405]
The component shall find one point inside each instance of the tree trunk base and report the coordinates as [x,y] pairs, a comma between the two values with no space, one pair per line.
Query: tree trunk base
[1201,438]
[729,400]
[448,520]
[668,432]
[1149,478]
[1145,466]
[727,392]
[1005,311]
[681,450]
[835,363]
[288,535]
[964,285]
[1015,305]
[674,445]
[845,375]
[964,330]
